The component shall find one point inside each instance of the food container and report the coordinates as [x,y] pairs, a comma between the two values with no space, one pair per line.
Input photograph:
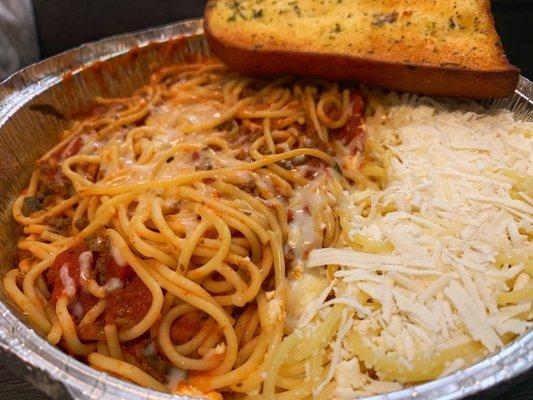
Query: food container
[35,105]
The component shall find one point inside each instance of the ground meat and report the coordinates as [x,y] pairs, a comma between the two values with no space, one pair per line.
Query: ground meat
[81,223]
[105,266]
[249,186]
[30,205]
[46,198]
[98,242]
[59,225]
[205,165]
[125,307]
[314,167]
[143,354]
[101,267]
[53,181]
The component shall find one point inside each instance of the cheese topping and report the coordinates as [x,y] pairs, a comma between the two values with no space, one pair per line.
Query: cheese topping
[85,260]
[306,218]
[117,257]
[301,293]
[114,284]
[440,246]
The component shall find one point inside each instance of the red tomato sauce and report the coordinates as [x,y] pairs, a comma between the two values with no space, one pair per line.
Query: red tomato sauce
[353,129]
[125,306]
[70,259]
[185,327]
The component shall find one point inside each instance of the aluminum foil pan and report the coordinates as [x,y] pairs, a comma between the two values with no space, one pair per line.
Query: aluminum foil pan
[35,104]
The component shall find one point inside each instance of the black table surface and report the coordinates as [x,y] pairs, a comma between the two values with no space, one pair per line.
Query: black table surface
[63,24]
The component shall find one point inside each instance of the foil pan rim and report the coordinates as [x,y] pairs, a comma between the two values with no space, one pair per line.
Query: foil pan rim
[61,376]
[30,81]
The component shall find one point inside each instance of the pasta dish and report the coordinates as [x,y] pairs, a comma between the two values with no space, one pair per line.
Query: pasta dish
[229,237]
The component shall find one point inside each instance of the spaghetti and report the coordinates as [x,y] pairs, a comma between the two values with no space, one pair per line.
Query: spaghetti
[156,233]
[222,236]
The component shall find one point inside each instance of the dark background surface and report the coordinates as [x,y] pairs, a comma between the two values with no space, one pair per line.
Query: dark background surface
[63,24]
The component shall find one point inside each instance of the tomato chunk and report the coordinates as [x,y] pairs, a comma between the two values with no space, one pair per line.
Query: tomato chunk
[127,306]
[128,299]
[62,283]
[114,270]
[185,327]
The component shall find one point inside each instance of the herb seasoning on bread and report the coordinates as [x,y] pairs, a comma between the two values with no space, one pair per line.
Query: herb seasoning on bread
[435,47]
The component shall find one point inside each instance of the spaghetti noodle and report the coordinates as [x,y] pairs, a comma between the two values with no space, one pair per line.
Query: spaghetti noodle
[155,233]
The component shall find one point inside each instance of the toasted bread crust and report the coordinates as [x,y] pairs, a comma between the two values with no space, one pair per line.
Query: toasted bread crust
[499,81]
[409,78]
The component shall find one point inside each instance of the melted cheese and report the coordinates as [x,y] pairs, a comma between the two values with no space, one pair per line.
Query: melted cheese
[77,310]
[117,257]
[85,260]
[302,292]
[275,310]
[306,229]
[69,285]
[308,216]
[175,376]
[114,284]
[171,124]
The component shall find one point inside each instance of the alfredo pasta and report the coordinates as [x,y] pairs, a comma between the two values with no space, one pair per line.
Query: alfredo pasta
[221,236]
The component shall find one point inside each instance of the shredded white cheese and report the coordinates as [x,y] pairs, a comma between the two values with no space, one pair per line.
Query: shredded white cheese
[453,211]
